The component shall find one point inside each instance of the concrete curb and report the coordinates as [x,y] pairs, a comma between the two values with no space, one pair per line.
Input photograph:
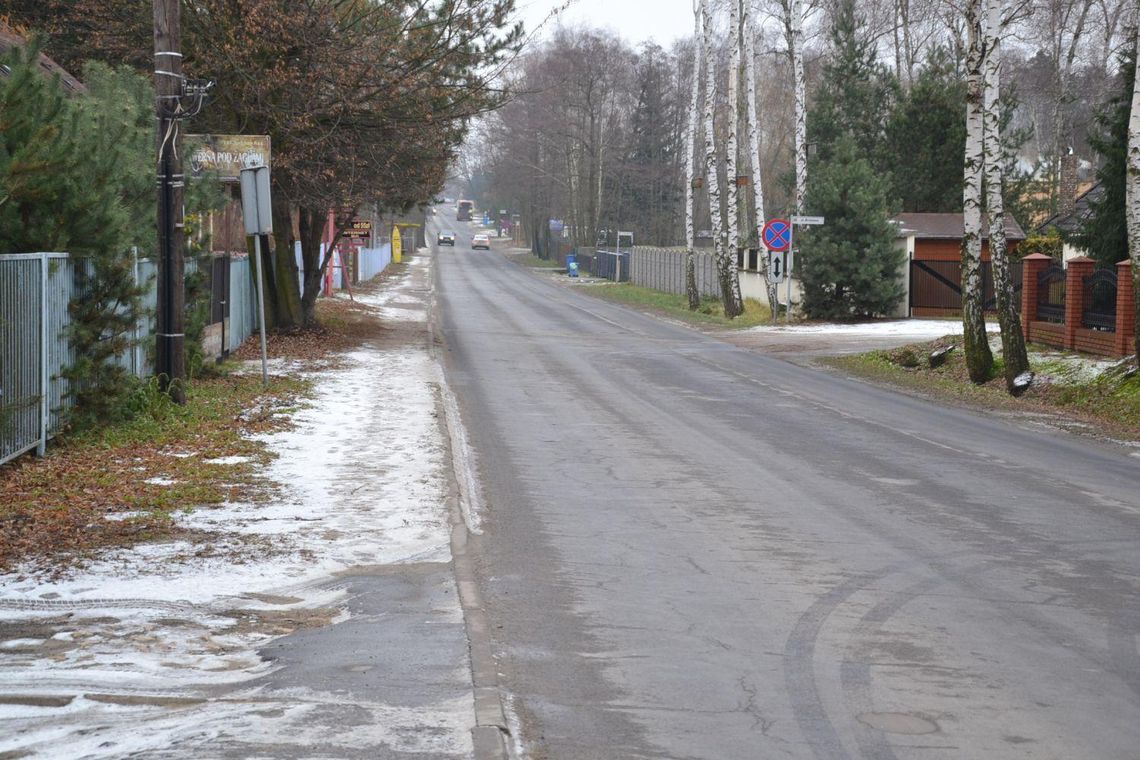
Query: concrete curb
[491,730]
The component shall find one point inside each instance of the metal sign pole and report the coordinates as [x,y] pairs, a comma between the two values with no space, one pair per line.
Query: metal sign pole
[261,309]
[257,214]
[788,272]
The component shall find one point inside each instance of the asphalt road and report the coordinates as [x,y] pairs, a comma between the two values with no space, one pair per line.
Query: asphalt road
[692,550]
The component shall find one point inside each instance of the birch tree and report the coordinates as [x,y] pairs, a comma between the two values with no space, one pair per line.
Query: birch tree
[794,34]
[732,144]
[1132,195]
[752,118]
[1012,339]
[979,358]
[691,168]
[726,269]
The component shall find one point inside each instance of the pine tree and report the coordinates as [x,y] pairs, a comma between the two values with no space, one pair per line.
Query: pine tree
[67,183]
[856,94]
[1104,233]
[850,266]
[926,138]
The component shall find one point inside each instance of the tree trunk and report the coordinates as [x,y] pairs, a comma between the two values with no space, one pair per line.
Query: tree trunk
[1132,194]
[793,22]
[752,118]
[691,291]
[311,224]
[1012,338]
[286,295]
[979,358]
[731,149]
[725,269]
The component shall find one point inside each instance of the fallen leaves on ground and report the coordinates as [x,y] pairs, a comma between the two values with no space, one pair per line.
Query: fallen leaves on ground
[123,485]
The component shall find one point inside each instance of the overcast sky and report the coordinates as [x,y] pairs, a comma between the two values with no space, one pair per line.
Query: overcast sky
[636,20]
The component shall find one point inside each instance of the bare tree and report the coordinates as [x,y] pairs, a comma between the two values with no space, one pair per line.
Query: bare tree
[726,268]
[1012,339]
[979,358]
[1059,28]
[752,118]
[732,146]
[691,169]
[794,34]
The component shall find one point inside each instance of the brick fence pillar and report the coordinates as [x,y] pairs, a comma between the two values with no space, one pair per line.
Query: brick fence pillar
[1031,266]
[1125,342]
[1079,268]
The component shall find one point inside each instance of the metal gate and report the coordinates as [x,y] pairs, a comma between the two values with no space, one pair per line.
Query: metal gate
[938,285]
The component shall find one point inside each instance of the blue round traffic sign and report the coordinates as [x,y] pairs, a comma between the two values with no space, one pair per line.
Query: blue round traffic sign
[777,234]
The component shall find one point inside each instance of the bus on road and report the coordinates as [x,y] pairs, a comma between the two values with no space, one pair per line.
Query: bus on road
[463,210]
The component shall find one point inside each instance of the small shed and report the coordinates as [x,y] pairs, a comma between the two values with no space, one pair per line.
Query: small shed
[932,270]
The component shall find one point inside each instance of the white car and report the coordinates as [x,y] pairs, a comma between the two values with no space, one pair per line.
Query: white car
[481,240]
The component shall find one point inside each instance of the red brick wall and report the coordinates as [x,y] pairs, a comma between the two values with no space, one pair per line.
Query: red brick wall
[1047,333]
[1095,342]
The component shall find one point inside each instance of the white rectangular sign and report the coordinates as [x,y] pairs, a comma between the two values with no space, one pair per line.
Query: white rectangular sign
[807,220]
[777,262]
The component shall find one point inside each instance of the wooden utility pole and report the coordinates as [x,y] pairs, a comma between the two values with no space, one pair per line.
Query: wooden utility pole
[170,354]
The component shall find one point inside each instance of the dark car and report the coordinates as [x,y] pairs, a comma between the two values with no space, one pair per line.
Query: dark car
[446,238]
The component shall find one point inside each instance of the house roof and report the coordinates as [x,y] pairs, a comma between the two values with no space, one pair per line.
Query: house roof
[1071,221]
[948,227]
[10,39]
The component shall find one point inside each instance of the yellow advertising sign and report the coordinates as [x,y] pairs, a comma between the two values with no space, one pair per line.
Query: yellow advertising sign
[224,156]
[397,246]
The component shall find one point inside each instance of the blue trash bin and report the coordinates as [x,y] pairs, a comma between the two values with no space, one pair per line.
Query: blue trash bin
[572,265]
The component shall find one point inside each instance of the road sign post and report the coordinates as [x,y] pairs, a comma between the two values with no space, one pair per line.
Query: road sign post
[779,235]
[257,214]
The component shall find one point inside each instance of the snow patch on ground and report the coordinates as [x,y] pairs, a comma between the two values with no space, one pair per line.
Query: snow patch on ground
[363,482]
[227,460]
[919,329]
[398,305]
[261,723]
[1071,369]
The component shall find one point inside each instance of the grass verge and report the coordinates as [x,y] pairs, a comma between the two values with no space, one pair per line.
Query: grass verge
[530,260]
[711,311]
[1065,385]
